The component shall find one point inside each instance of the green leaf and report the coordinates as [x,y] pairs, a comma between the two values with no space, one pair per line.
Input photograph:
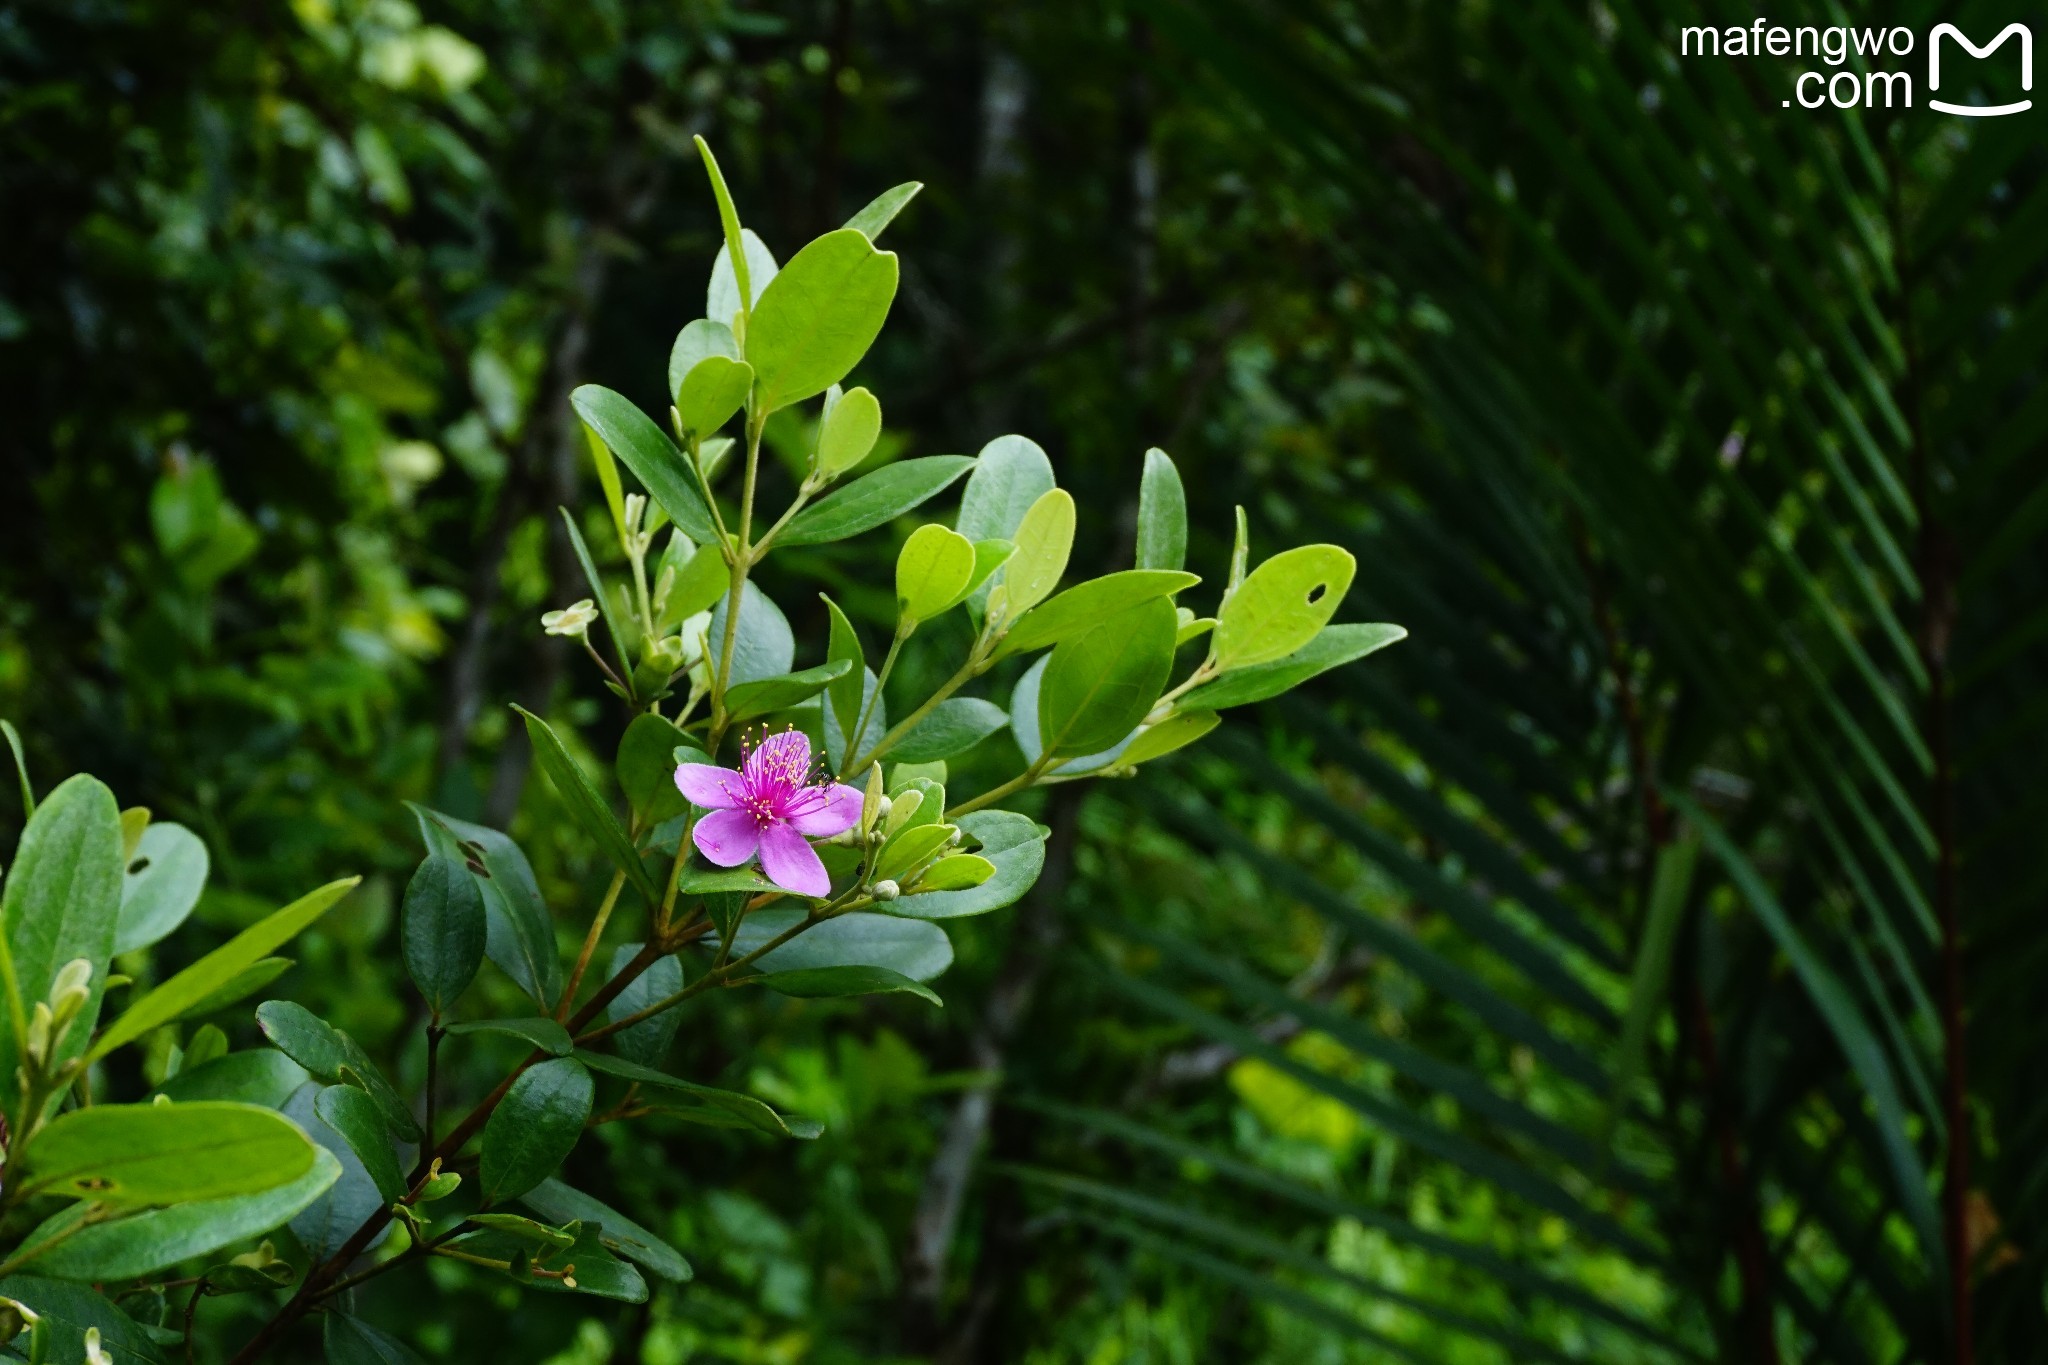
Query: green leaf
[61,902]
[608,610]
[874,498]
[333,1058]
[763,647]
[765,696]
[648,1041]
[933,571]
[909,848]
[956,872]
[520,935]
[526,1229]
[722,293]
[1088,604]
[645,449]
[1162,514]
[818,317]
[240,986]
[204,979]
[356,1118]
[68,1311]
[586,807]
[742,1111]
[701,581]
[1282,606]
[917,950]
[28,793]
[1175,732]
[1044,538]
[151,1241]
[442,929]
[712,392]
[1669,889]
[348,1340]
[706,881]
[608,481]
[128,1155]
[823,983]
[646,769]
[883,208]
[329,1221]
[165,875]
[1336,645]
[260,1075]
[729,223]
[843,698]
[699,340]
[558,1203]
[546,1034]
[1014,843]
[952,727]
[1100,684]
[534,1127]
[1010,474]
[989,556]
[849,433]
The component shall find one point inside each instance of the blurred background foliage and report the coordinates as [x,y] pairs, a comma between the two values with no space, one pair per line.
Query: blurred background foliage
[1637,965]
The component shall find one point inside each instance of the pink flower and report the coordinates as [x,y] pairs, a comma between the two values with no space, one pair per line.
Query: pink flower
[769,806]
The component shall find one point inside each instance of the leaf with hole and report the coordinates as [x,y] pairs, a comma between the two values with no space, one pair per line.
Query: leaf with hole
[166,873]
[128,1155]
[519,932]
[1282,605]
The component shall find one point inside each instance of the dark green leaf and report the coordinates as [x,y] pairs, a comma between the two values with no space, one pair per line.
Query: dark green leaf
[534,1127]
[348,1340]
[69,1310]
[648,1041]
[558,1203]
[546,1034]
[646,769]
[585,805]
[260,1075]
[843,698]
[918,951]
[645,449]
[763,646]
[820,983]
[330,1220]
[442,930]
[739,1111]
[333,1058]
[873,499]
[355,1116]
[521,935]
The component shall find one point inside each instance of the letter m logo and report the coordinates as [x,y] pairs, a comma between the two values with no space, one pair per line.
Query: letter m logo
[2019,31]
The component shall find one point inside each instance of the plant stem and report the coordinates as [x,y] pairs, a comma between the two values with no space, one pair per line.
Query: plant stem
[867,710]
[597,923]
[742,559]
[434,1035]
[989,798]
[970,670]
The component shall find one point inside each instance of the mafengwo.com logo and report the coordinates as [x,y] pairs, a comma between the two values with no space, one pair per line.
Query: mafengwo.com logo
[1977,88]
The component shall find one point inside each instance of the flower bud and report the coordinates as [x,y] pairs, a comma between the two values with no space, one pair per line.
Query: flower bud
[572,621]
[94,1354]
[37,1046]
[887,891]
[636,508]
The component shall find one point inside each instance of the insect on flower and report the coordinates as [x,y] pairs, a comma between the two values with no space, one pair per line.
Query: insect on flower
[770,806]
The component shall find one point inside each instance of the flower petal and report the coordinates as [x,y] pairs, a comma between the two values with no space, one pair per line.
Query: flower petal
[710,786]
[832,810]
[727,837]
[791,863]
